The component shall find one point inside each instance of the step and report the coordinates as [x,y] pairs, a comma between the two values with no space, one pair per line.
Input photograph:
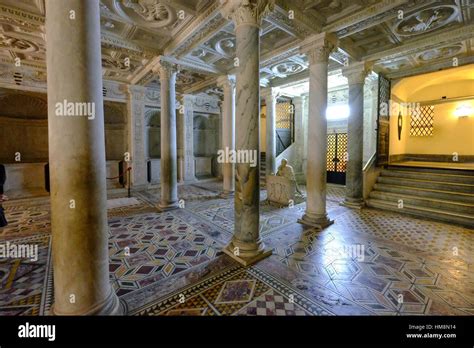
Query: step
[433,170]
[463,179]
[436,185]
[428,193]
[455,207]
[435,214]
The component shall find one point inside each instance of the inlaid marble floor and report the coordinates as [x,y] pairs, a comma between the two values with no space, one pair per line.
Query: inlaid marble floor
[369,262]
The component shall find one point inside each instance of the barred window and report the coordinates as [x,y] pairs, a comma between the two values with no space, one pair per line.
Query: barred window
[421,121]
[283,115]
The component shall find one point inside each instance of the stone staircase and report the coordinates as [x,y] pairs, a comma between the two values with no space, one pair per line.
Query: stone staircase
[441,194]
[263,166]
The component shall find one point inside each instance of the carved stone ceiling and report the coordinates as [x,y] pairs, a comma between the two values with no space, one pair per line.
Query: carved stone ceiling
[401,38]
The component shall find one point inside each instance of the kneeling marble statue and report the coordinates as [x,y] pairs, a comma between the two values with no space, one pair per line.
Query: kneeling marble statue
[287,171]
[282,187]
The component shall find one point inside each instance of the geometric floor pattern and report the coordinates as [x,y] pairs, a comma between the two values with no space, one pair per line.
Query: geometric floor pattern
[369,262]
[148,247]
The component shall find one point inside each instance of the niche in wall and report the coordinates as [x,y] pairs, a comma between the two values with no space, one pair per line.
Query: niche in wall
[23,126]
[153,132]
[205,128]
[114,116]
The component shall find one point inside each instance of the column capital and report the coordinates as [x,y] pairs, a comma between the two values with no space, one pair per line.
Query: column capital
[270,93]
[356,72]
[246,12]
[136,91]
[165,68]
[226,81]
[318,47]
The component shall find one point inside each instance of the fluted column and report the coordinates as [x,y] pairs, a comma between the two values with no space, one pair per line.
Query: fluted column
[228,131]
[355,74]
[168,162]
[270,95]
[317,48]
[246,245]
[77,161]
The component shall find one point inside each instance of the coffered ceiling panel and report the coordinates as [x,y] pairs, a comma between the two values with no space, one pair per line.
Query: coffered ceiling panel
[399,37]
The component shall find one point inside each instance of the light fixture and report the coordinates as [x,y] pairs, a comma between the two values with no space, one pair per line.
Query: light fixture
[463,111]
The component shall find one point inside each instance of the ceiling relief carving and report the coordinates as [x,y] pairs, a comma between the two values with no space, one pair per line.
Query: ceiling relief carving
[426,20]
[112,63]
[437,53]
[17,44]
[287,68]
[146,13]
[226,46]
[198,36]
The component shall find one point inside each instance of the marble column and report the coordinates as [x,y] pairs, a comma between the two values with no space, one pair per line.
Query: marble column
[169,163]
[270,95]
[188,151]
[317,48]
[77,161]
[355,74]
[299,106]
[181,136]
[137,137]
[228,131]
[246,245]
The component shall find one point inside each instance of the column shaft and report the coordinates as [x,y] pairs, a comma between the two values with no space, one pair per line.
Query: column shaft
[77,161]
[169,186]
[137,136]
[228,133]
[355,137]
[270,165]
[181,136]
[188,150]
[355,74]
[318,54]
[246,245]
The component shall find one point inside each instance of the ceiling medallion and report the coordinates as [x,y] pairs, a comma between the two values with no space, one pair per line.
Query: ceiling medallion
[17,44]
[426,20]
[287,68]
[225,46]
[437,53]
[146,13]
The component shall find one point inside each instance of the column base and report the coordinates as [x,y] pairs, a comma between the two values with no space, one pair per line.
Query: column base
[247,257]
[162,207]
[226,194]
[315,220]
[111,306]
[353,203]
